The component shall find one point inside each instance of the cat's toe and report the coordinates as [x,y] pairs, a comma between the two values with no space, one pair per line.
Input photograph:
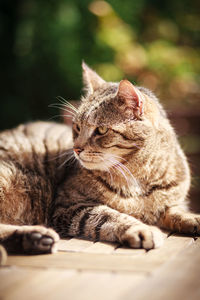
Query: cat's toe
[38,240]
[146,237]
[36,243]
[190,224]
[36,235]
[40,243]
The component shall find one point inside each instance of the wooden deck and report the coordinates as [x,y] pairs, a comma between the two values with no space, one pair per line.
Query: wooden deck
[101,271]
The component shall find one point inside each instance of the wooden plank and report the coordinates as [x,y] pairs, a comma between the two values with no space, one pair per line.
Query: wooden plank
[172,245]
[60,284]
[10,276]
[93,261]
[17,283]
[102,247]
[100,285]
[172,272]
[81,245]
[74,245]
[177,279]
[79,261]
[62,244]
[129,251]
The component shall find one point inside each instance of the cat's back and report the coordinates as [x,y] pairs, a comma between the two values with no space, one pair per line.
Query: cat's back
[37,138]
[32,162]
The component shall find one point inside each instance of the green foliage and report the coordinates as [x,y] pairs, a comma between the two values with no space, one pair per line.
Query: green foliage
[153,43]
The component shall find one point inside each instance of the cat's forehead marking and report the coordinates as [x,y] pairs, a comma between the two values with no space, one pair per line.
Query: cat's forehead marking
[89,108]
[104,94]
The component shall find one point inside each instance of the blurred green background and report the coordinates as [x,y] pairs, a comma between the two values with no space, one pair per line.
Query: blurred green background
[151,42]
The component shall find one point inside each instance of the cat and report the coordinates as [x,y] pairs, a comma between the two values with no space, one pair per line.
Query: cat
[119,175]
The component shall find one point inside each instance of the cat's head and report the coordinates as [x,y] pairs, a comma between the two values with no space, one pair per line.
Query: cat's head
[114,121]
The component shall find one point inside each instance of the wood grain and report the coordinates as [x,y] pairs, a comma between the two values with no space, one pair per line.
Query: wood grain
[177,279]
[60,284]
[74,245]
[87,271]
[143,262]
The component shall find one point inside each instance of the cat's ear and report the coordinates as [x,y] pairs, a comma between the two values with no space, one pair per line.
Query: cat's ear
[92,81]
[130,97]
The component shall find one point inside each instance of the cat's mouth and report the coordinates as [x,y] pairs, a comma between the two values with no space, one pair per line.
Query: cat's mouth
[89,161]
[92,162]
[99,161]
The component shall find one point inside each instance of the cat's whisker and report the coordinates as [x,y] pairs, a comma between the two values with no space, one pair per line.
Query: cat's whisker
[117,166]
[116,156]
[98,155]
[54,117]
[108,169]
[63,108]
[108,164]
[64,163]
[67,103]
[68,161]
[109,172]
[68,109]
[67,152]
[122,173]
[61,116]
[73,160]
[122,165]
[71,156]
[129,172]
[136,146]
[61,105]
[68,116]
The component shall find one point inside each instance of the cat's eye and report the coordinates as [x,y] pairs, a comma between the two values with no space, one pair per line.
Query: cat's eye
[102,130]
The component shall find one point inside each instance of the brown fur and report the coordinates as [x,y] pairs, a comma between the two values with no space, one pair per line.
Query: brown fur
[130,175]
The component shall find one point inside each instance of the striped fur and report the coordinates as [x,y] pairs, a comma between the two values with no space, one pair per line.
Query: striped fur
[117,186]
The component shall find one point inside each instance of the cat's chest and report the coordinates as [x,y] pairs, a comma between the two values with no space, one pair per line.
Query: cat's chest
[124,197]
[135,203]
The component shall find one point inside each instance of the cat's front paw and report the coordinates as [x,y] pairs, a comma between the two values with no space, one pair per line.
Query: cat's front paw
[37,239]
[142,236]
[189,223]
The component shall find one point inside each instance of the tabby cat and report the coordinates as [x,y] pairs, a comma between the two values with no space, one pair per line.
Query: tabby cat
[117,176]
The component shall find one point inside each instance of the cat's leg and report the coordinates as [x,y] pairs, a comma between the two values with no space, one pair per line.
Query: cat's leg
[28,239]
[179,220]
[99,222]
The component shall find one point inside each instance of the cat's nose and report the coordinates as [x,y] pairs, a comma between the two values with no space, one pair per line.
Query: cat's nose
[78,150]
